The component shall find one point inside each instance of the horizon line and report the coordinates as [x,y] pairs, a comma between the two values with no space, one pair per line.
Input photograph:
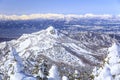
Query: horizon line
[54,15]
[60,13]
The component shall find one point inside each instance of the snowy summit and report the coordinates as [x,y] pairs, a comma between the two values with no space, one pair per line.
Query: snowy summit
[51,30]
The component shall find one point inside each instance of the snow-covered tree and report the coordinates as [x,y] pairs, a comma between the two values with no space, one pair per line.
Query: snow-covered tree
[53,73]
[65,78]
[110,70]
[15,67]
[77,75]
[105,74]
[43,71]
[0,77]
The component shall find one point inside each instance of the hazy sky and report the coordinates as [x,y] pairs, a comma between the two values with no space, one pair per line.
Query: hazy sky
[60,6]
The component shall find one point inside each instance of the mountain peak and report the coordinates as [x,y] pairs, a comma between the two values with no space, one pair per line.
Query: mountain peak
[51,30]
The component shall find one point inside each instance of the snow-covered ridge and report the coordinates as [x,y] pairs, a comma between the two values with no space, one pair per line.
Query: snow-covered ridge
[46,42]
[60,47]
[53,16]
[57,46]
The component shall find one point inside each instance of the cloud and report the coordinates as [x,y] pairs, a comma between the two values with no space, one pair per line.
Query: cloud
[51,16]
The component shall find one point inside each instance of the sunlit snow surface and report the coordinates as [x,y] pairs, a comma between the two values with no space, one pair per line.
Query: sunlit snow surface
[60,47]
[51,44]
[14,67]
[111,67]
[55,46]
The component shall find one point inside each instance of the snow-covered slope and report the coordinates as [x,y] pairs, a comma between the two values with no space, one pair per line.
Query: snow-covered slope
[11,66]
[59,47]
[46,42]
[110,69]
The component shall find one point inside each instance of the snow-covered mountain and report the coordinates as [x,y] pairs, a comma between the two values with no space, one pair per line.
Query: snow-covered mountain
[53,16]
[27,24]
[61,48]
[76,50]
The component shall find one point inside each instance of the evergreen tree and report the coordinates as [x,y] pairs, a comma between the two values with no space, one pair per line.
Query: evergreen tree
[76,75]
[15,69]
[65,78]
[0,76]
[43,71]
[53,73]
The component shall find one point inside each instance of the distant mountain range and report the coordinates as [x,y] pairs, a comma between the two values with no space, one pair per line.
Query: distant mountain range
[55,16]
[71,41]
[13,26]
